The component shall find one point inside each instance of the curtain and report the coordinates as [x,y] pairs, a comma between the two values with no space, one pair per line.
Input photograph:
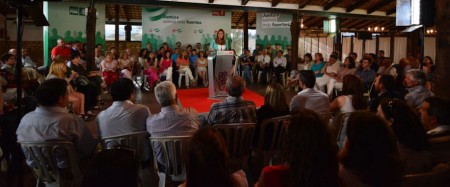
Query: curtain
[400,48]
[314,45]
[430,47]
[323,47]
[346,44]
[357,47]
[371,46]
[385,45]
[301,47]
[307,45]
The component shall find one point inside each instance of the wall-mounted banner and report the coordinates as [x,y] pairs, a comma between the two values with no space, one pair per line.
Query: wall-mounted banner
[188,26]
[273,28]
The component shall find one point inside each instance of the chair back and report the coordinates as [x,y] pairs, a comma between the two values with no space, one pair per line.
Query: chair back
[169,150]
[338,128]
[439,176]
[46,159]
[238,138]
[271,133]
[440,149]
[138,141]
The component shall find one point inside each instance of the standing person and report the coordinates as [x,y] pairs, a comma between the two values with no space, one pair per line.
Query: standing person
[202,67]
[208,162]
[109,69]
[310,155]
[220,43]
[183,67]
[165,66]
[61,50]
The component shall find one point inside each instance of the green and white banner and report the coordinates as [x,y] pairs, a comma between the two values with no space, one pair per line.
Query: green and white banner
[188,26]
[273,28]
[68,21]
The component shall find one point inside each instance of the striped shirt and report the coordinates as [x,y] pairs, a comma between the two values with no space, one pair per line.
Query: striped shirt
[232,110]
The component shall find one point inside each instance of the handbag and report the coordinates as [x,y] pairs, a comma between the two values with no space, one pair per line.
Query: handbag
[82,80]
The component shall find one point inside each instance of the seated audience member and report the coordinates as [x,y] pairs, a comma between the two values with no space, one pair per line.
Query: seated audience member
[58,69]
[202,65]
[165,66]
[275,105]
[415,82]
[370,156]
[61,50]
[411,136]
[109,69]
[89,88]
[263,64]
[193,60]
[384,85]
[354,56]
[309,153]
[123,116]
[279,65]
[435,116]
[150,69]
[348,68]
[183,67]
[126,65]
[317,65]
[234,109]
[8,71]
[306,65]
[29,67]
[99,57]
[51,121]
[366,74]
[113,168]
[208,162]
[387,68]
[309,98]
[352,97]
[172,120]
[330,71]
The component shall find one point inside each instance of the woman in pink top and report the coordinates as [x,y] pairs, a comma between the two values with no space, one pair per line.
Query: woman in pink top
[165,66]
[150,69]
[109,69]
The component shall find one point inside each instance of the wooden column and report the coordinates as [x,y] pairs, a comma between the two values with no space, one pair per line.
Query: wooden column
[338,39]
[90,35]
[377,44]
[442,49]
[392,50]
[245,28]
[352,45]
[116,33]
[295,32]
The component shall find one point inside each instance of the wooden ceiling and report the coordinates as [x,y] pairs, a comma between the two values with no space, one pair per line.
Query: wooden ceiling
[352,22]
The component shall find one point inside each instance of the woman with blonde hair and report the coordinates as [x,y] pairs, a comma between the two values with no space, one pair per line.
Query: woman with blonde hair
[58,70]
[126,64]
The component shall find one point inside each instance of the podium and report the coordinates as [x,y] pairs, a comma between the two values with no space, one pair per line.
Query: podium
[219,68]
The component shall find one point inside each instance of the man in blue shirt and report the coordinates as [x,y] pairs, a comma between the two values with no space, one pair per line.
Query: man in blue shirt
[193,61]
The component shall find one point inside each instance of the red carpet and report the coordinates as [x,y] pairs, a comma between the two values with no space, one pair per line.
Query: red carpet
[198,98]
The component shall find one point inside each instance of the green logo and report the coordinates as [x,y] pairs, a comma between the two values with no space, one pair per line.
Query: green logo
[156,13]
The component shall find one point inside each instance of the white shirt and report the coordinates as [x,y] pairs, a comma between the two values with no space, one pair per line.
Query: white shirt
[55,123]
[28,63]
[123,117]
[263,59]
[279,61]
[311,99]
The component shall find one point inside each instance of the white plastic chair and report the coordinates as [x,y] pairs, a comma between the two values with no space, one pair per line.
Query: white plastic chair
[181,75]
[44,157]
[171,150]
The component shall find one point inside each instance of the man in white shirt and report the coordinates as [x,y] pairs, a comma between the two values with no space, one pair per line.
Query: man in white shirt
[51,120]
[309,98]
[263,63]
[330,72]
[279,65]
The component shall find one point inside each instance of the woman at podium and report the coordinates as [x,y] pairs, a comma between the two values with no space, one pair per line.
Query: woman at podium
[220,43]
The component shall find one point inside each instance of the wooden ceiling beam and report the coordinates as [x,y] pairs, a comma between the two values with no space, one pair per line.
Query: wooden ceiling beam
[354,24]
[244,2]
[320,20]
[368,23]
[331,4]
[391,11]
[356,5]
[302,5]
[379,5]
[275,2]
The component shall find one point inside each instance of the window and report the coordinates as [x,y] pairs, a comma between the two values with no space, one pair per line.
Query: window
[136,32]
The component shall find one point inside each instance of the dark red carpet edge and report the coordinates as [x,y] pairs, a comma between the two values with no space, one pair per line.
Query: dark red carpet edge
[197,98]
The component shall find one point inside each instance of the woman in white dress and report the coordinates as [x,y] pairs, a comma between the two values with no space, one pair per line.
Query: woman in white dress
[202,64]
[126,64]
